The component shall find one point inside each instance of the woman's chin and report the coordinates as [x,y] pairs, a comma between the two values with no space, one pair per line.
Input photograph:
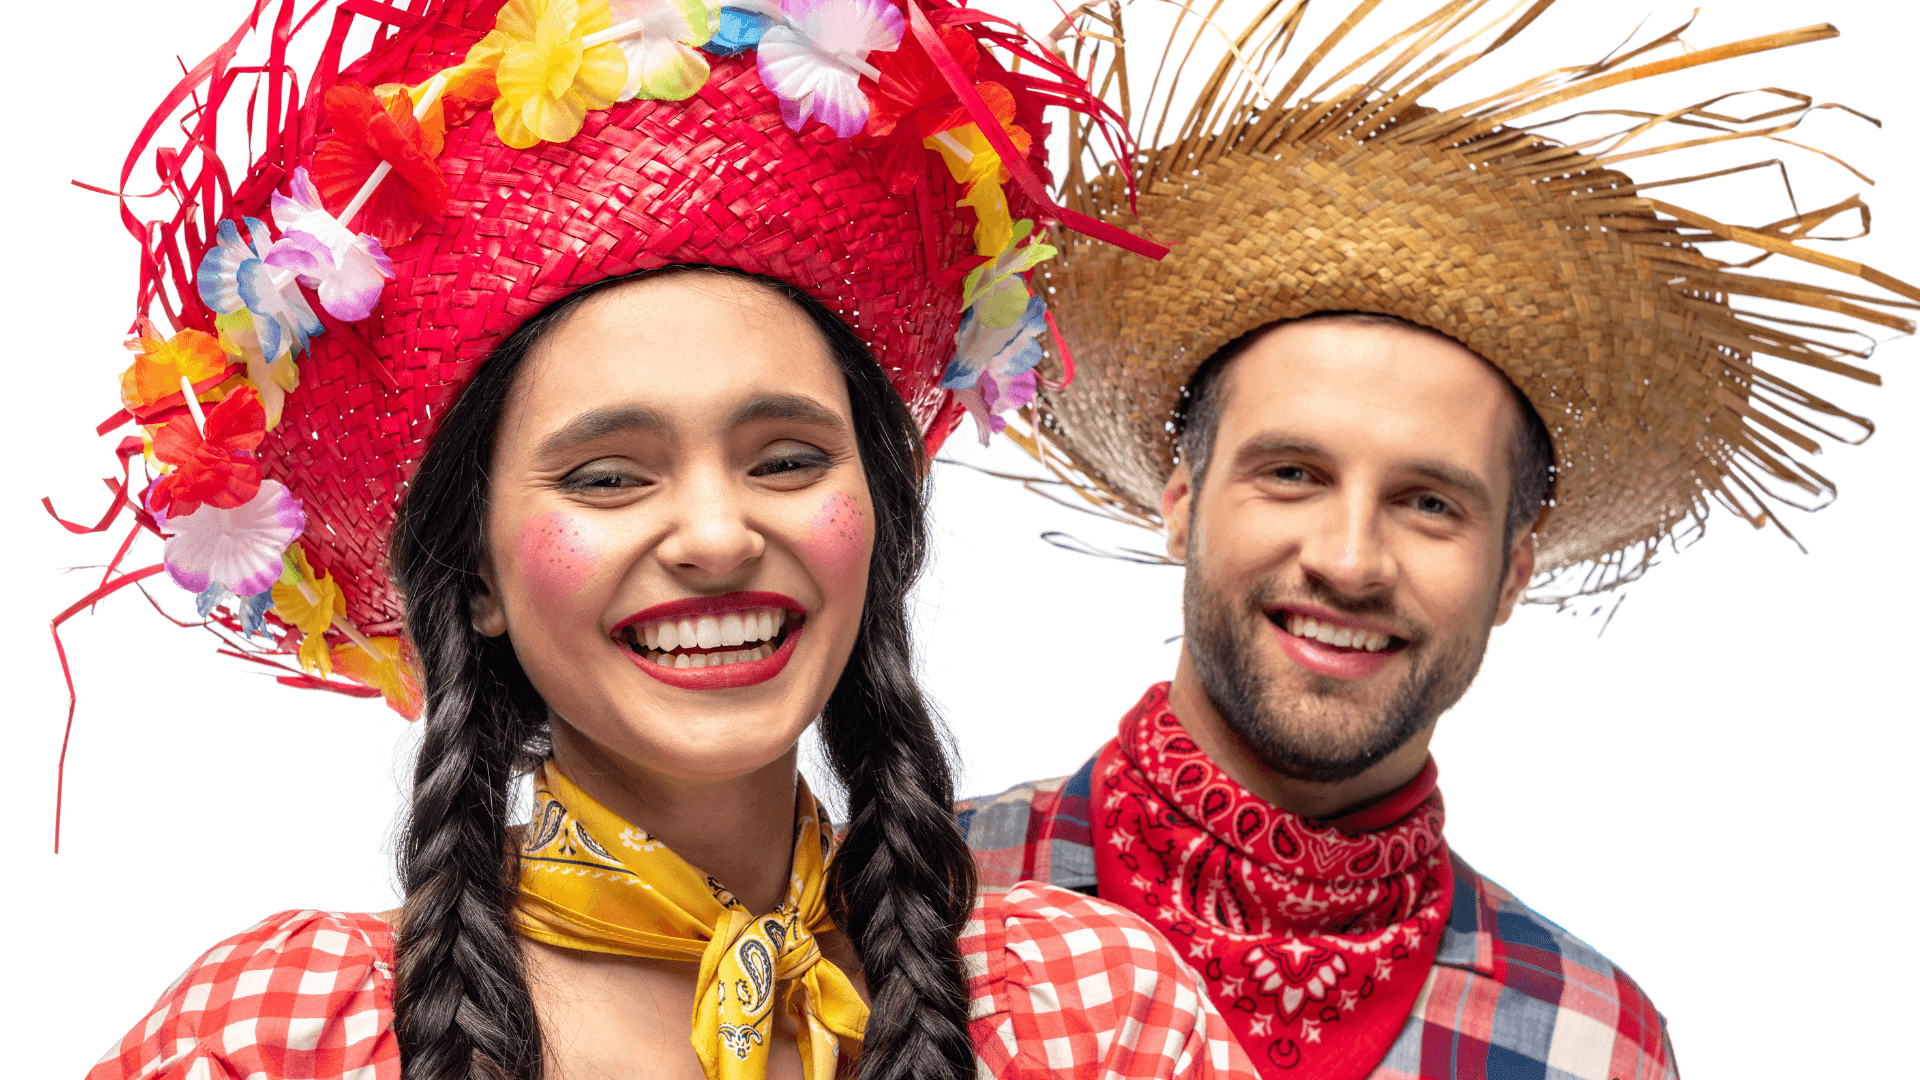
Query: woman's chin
[692,736]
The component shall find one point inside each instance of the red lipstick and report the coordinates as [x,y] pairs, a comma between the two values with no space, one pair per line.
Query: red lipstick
[711,605]
[720,676]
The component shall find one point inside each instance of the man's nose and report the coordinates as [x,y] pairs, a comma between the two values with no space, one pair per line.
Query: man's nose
[1346,548]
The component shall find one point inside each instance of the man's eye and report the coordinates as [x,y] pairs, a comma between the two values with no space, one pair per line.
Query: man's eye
[1291,474]
[1431,504]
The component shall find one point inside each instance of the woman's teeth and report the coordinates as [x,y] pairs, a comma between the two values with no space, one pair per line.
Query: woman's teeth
[719,659]
[1340,637]
[661,639]
[711,631]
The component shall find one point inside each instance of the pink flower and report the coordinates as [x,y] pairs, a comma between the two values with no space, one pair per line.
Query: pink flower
[238,548]
[347,269]
[815,59]
[990,396]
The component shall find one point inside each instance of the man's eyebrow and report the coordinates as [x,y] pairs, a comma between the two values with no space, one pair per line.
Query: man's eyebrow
[793,407]
[1273,444]
[1456,478]
[600,423]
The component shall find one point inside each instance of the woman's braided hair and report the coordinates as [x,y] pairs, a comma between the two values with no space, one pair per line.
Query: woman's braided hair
[903,881]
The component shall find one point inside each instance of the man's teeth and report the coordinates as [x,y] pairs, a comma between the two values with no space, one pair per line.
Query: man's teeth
[711,631]
[1340,637]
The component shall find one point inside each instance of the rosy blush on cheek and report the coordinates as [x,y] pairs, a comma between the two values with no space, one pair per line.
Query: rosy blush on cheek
[836,539]
[557,552]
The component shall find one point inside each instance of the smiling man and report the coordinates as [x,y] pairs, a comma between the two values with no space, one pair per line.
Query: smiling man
[1354,505]
[1403,366]
[1355,510]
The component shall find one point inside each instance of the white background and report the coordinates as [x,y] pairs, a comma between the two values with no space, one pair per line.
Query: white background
[1712,792]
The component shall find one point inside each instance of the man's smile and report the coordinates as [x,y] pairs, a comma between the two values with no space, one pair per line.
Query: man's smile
[1336,646]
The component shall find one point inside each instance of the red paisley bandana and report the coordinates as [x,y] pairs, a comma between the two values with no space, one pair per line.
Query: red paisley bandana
[1314,941]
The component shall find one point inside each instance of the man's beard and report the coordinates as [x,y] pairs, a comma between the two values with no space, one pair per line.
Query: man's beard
[1327,733]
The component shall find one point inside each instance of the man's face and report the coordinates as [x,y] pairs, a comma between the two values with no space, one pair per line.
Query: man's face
[1344,555]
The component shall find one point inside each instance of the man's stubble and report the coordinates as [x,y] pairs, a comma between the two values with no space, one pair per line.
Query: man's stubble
[1327,733]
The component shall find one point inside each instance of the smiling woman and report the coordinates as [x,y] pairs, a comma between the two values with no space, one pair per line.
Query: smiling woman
[657,450]
[618,378]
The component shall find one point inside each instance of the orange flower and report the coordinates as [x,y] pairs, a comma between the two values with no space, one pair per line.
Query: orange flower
[366,132]
[157,368]
[469,87]
[389,670]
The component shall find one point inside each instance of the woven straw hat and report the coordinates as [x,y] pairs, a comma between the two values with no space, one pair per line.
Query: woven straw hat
[1631,339]
[490,208]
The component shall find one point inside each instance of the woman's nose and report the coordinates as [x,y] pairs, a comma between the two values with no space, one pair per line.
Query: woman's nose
[711,534]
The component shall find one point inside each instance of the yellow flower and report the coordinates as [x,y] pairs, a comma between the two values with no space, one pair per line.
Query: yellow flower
[972,161]
[309,602]
[547,76]
[272,379]
[386,670]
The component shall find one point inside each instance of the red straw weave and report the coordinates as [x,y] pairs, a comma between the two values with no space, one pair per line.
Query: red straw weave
[714,179]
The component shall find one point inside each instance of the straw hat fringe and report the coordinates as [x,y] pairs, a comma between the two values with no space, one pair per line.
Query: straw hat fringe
[1592,291]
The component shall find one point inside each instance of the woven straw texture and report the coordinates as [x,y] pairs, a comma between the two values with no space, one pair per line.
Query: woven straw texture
[1597,301]
[715,179]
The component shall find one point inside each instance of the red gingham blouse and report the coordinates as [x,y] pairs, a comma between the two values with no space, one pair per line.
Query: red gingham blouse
[1063,985]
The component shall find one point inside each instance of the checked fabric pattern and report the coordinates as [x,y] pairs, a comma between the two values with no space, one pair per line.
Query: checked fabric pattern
[1068,986]
[1510,996]
[303,994]
[1062,985]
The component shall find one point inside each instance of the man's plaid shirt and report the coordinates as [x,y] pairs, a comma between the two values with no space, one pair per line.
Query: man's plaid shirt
[1511,996]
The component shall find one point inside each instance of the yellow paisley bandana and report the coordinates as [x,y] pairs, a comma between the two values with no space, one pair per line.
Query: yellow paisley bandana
[589,880]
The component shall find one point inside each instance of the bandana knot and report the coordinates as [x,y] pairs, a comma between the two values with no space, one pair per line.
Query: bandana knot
[634,897]
[1314,940]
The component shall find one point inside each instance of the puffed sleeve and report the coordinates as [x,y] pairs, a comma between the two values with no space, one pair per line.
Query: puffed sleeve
[302,994]
[1065,985]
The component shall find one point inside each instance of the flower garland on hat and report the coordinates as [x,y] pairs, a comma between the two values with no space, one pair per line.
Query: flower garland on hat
[910,89]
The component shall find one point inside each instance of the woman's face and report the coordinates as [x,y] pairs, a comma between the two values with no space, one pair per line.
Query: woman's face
[679,527]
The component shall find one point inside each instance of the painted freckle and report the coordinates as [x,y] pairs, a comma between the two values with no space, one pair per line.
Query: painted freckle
[837,536]
[556,552]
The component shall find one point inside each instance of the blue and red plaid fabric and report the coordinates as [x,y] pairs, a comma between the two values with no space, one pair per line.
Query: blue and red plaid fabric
[1511,996]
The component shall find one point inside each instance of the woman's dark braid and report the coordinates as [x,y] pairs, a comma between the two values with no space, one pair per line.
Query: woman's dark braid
[461,1008]
[903,880]
[902,884]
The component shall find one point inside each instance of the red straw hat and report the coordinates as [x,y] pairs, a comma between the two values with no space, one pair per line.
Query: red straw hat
[877,157]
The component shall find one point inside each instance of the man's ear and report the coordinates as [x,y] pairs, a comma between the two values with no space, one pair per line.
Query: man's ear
[1519,573]
[1176,506]
[489,616]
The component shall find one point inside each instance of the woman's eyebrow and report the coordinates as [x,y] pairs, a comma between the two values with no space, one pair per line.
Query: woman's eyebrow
[793,407]
[600,423]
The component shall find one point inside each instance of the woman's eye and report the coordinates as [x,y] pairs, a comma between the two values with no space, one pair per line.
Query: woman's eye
[599,481]
[787,464]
